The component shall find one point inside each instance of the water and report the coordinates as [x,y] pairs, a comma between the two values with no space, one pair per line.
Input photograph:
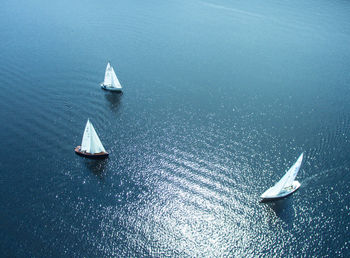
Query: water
[220,98]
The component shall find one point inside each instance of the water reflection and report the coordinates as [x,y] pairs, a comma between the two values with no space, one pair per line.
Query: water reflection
[97,167]
[283,210]
[114,100]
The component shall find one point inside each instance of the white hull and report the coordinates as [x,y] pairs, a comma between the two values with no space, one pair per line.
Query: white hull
[110,88]
[283,193]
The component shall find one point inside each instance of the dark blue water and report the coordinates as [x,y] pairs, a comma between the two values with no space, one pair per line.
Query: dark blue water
[220,98]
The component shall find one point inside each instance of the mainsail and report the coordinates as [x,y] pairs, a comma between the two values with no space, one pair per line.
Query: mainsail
[288,178]
[91,142]
[111,79]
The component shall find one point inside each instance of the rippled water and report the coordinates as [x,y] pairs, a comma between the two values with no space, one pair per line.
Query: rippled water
[220,98]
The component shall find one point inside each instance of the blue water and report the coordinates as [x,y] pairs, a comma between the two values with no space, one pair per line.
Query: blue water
[220,98]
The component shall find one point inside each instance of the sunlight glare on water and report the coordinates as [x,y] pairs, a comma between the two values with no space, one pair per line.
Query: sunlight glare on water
[219,99]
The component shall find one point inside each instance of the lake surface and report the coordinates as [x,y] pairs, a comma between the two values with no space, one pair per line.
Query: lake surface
[220,98]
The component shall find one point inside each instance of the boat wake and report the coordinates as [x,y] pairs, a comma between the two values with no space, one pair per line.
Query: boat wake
[315,177]
[216,6]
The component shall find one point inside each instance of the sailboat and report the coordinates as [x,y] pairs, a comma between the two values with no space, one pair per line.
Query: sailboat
[111,81]
[286,185]
[91,146]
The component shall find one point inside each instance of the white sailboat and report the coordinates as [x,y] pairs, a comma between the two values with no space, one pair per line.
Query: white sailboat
[91,146]
[111,81]
[286,185]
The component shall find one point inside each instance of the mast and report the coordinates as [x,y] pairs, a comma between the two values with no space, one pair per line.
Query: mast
[293,171]
[86,142]
[91,143]
[115,81]
[288,178]
[96,144]
[111,79]
[108,76]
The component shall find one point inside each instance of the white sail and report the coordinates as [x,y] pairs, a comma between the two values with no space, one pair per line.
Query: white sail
[293,171]
[91,142]
[95,145]
[108,78]
[287,179]
[115,81]
[111,79]
[85,143]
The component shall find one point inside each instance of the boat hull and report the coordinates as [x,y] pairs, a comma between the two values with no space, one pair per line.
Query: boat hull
[287,192]
[101,155]
[104,87]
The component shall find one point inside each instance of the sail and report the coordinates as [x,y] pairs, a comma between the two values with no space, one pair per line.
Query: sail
[111,79]
[95,143]
[293,171]
[85,144]
[108,76]
[287,179]
[115,81]
[91,142]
